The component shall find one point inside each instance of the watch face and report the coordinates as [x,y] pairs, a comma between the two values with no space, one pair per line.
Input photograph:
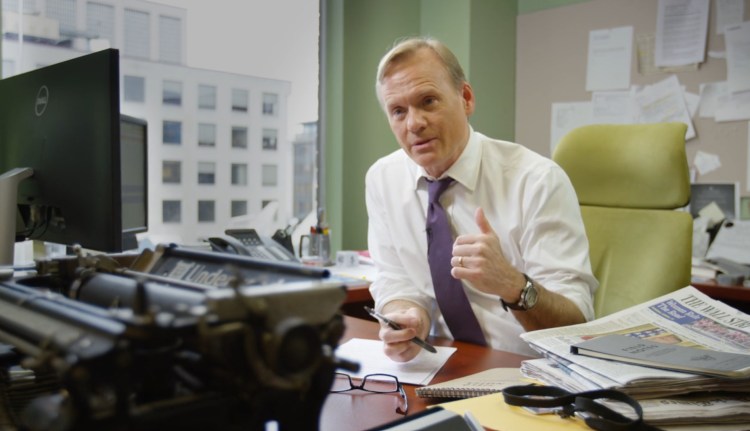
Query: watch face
[530,297]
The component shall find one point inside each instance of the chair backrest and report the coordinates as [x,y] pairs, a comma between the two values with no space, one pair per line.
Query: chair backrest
[629,180]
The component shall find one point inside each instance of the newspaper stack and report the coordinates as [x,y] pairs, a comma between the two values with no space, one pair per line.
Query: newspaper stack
[685,317]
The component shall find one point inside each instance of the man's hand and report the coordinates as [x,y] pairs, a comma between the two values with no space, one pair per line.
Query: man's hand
[480,260]
[414,321]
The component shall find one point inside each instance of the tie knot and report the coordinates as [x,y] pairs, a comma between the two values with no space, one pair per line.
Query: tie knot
[436,188]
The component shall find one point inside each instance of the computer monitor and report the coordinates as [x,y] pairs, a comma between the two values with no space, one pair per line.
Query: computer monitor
[63,123]
[133,178]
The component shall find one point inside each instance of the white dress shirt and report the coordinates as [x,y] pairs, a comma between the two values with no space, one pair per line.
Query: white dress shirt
[528,200]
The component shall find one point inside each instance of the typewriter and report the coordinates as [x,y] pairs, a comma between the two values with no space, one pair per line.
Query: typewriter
[175,339]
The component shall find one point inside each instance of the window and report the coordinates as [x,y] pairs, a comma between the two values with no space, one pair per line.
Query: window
[206,172]
[239,174]
[206,135]
[134,88]
[100,21]
[239,137]
[9,67]
[171,93]
[206,97]
[206,211]
[171,172]
[62,11]
[270,101]
[239,208]
[240,99]
[172,132]
[137,34]
[170,39]
[269,139]
[269,175]
[171,211]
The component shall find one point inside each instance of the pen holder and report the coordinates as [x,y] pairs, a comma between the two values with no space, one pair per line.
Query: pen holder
[315,249]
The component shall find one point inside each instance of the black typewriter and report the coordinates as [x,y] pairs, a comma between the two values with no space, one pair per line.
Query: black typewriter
[177,339]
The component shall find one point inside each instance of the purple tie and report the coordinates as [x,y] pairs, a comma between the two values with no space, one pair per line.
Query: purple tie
[449,291]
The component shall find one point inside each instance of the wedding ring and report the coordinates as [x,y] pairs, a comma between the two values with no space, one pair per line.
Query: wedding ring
[460,261]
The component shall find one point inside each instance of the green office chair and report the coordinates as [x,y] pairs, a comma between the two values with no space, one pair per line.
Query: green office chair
[629,180]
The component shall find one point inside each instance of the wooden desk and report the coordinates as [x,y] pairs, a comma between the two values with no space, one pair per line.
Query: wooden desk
[734,296]
[359,410]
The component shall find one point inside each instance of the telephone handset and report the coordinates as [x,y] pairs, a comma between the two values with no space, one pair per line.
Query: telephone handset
[247,242]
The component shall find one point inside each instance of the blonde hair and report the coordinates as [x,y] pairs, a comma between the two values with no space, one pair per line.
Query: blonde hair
[404,48]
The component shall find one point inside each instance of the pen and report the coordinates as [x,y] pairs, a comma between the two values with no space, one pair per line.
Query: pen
[416,340]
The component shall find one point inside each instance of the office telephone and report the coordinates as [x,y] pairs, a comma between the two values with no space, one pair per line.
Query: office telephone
[248,242]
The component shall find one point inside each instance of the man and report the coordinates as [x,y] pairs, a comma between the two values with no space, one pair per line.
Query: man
[520,250]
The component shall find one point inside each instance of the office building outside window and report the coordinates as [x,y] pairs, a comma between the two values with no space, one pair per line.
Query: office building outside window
[270,138]
[171,93]
[240,100]
[206,211]
[171,172]
[151,38]
[170,37]
[206,172]
[239,208]
[206,135]
[270,101]
[269,175]
[239,137]
[62,11]
[134,88]
[171,211]
[239,174]
[100,21]
[172,132]
[207,97]
[137,34]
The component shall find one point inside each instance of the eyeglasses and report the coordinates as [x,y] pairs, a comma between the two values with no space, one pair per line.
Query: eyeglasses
[375,383]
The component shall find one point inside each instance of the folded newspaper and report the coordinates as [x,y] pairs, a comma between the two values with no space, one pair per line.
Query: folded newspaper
[685,317]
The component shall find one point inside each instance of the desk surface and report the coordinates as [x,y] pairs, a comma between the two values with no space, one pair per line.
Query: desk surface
[358,410]
[735,296]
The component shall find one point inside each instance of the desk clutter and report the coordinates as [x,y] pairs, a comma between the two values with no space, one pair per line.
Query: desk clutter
[685,318]
[175,339]
[682,320]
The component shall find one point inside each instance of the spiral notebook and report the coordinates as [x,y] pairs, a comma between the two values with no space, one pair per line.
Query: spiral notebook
[474,385]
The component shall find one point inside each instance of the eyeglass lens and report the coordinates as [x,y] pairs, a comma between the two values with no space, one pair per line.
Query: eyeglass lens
[378,383]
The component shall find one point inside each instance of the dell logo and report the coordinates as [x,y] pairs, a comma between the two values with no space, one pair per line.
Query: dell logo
[42,97]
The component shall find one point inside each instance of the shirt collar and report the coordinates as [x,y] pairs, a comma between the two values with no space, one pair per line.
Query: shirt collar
[465,170]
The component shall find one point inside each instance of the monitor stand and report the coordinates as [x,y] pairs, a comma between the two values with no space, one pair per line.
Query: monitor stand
[9,182]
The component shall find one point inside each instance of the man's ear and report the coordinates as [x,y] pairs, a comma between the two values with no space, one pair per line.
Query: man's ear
[467,95]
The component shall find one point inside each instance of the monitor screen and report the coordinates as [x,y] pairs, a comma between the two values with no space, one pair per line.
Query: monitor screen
[134,178]
[63,122]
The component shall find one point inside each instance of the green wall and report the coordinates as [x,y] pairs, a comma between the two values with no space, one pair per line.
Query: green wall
[358,33]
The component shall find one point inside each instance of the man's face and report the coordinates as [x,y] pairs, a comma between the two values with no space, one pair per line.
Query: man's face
[427,114]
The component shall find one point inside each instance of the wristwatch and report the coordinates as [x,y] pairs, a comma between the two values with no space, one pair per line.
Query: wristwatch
[529,295]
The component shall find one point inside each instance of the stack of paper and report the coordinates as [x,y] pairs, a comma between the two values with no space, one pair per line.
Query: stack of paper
[685,318]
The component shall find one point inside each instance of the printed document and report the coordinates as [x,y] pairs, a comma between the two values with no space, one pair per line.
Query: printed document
[608,66]
[369,354]
[681,31]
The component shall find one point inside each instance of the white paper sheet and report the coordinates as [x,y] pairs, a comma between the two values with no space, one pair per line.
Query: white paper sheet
[732,242]
[663,102]
[728,13]
[566,117]
[372,360]
[610,53]
[733,107]
[706,162]
[738,57]
[613,107]
[709,94]
[681,31]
